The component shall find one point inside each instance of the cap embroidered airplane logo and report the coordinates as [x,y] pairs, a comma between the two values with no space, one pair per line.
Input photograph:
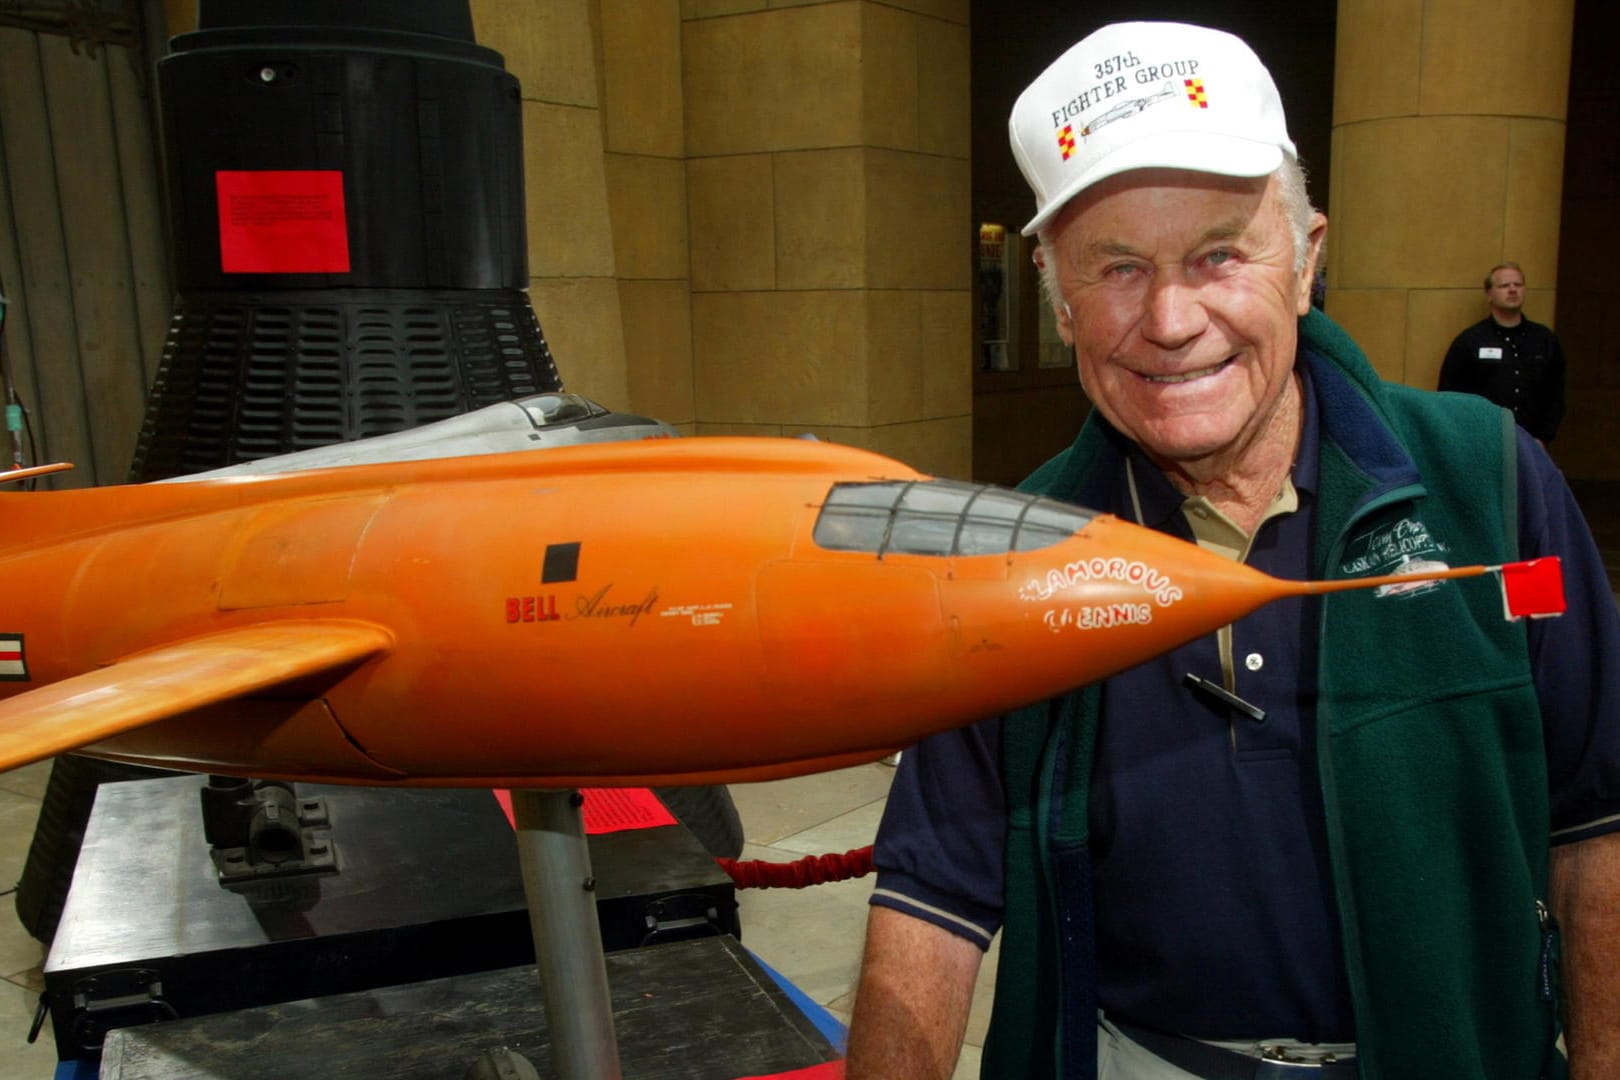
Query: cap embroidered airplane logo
[1129,108]
[1066,141]
[1195,93]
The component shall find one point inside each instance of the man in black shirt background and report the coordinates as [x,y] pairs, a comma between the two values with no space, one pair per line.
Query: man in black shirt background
[1509,359]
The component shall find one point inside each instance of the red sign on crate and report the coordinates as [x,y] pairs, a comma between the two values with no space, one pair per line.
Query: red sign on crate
[612,809]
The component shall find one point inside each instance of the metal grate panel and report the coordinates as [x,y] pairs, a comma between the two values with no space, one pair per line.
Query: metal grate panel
[249,376]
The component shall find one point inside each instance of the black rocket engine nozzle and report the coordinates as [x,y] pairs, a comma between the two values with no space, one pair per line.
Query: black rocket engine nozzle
[346,208]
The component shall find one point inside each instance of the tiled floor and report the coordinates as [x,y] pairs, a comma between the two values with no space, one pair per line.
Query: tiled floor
[20,955]
[814,935]
[811,936]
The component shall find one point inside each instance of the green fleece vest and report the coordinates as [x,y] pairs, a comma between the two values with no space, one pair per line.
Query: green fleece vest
[1432,762]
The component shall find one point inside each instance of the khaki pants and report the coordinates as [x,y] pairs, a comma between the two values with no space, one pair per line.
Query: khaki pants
[1118,1058]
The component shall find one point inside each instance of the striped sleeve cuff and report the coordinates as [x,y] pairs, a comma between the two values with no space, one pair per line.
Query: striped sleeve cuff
[1597,827]
[911,897]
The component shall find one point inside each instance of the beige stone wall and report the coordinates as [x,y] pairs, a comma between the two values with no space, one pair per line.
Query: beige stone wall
[179,16]
[831,235]
[1448,149]
[751,217]
[645,140]
[553,48]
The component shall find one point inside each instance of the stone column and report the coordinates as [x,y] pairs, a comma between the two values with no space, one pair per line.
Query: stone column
[644,131]
[179,17]
[1448,151]
[831,232]
[552,48]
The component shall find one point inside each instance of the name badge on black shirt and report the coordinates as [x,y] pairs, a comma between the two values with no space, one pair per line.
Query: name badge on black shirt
[1490,352]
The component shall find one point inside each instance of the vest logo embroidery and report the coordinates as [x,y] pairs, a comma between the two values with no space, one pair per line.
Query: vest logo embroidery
[1404,547]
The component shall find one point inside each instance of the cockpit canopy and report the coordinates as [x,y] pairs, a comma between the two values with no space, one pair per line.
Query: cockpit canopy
[942,517]
[552,410]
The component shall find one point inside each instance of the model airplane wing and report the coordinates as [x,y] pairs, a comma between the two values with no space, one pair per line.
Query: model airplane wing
[174,679]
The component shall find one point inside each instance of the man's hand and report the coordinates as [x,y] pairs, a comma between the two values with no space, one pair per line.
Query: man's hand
[912,1003]
[1586,900]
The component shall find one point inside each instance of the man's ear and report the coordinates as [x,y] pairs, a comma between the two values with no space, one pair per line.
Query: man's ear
[1313,253]
[1060,307]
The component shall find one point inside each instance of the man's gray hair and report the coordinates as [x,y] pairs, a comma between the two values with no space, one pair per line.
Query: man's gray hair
[1296,203]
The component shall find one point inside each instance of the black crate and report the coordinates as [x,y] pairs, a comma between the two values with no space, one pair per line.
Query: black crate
[427,886]
[693,1010]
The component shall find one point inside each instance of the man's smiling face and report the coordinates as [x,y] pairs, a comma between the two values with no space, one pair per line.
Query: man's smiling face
[1183,300]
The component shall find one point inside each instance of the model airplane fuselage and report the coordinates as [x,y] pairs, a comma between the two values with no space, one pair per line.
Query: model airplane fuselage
[683,611]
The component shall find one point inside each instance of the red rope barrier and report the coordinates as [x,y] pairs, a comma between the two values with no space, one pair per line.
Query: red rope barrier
[810,870]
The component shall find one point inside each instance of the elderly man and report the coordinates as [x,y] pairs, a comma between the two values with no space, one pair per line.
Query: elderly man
[1510,359]
[1315,844]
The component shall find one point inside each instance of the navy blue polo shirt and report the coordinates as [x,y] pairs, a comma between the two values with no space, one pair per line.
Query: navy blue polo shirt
[1214,908]
[1210,821]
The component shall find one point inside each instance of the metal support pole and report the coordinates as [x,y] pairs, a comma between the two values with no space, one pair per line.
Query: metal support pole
[567,937]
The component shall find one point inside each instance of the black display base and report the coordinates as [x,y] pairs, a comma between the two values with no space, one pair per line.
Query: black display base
[427,886]
[693,1010]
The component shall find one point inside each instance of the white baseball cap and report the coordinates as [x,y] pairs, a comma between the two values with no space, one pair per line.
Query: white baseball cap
[1143,95]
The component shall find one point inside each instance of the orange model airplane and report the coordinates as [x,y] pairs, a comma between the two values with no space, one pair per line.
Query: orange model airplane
[683,611]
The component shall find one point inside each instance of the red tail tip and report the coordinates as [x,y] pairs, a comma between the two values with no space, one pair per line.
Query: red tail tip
[1534,588]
